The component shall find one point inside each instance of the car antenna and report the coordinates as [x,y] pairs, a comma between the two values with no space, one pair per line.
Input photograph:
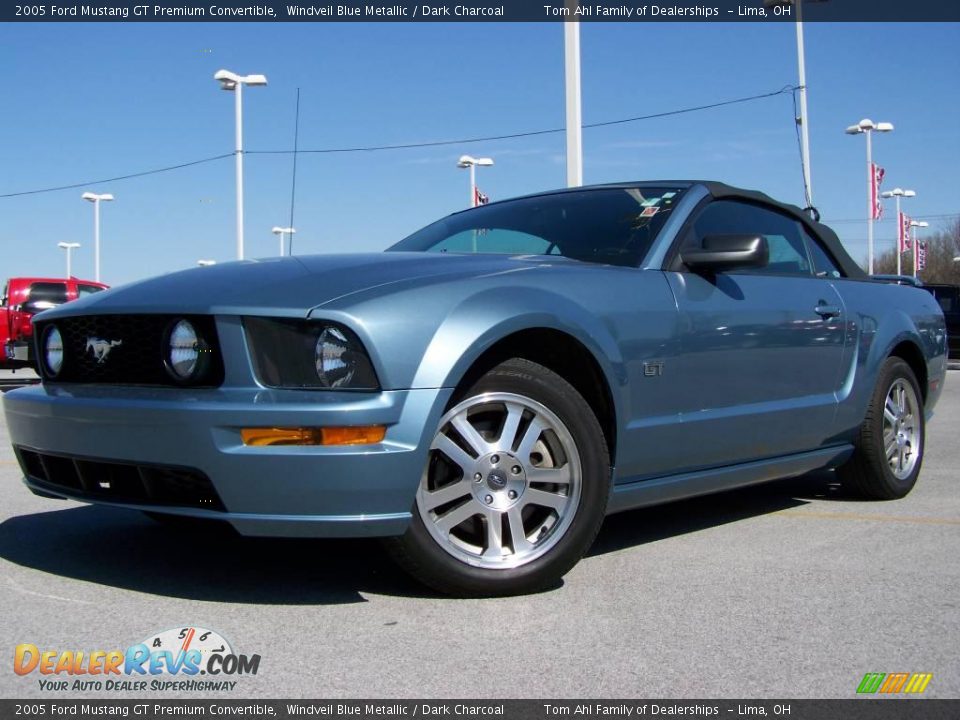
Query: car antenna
[293,184]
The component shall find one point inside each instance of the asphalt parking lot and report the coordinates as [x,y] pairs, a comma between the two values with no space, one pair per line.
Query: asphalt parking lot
[789,590]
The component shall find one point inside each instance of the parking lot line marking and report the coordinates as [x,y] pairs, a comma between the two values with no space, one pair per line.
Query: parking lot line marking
[19,588]
[875,518]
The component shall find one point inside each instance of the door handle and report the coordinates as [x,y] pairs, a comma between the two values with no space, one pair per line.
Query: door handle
[827,311]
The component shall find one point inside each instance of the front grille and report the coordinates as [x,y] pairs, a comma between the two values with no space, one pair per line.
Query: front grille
[112,481]
[136,349]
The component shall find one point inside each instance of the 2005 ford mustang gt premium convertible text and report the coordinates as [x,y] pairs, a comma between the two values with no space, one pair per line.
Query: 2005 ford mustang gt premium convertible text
[484,392]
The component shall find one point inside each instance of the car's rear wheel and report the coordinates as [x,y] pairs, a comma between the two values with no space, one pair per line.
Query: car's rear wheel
[889,447]
[514,490]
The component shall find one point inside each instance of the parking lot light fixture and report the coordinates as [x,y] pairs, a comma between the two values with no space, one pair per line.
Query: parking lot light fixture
[282,232]
[206,263]
[69,247]
[96,200]
[898,193]
[868,127]
[234,83]
[468,161]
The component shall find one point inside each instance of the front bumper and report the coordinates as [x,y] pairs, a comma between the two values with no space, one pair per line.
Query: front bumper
[317,491]
[16,353]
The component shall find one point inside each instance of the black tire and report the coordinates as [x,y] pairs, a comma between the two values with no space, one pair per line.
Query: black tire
[424,556]
[868,472]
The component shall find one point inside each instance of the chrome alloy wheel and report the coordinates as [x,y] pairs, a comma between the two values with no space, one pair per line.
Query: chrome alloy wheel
[901,428]
[503,482]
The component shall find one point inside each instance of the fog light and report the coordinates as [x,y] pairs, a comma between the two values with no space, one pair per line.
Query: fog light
[183,351]
[53,351]
[363,435]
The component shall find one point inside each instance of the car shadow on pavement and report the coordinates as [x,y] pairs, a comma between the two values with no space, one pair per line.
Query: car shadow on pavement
[209,561]
[199,561]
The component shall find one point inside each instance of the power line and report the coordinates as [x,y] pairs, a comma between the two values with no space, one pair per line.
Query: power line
[407,146]
[531,133]
[119,177]
[850,221]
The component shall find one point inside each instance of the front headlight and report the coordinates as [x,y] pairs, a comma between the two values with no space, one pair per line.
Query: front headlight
[52,351]
[336,361]
[306,354]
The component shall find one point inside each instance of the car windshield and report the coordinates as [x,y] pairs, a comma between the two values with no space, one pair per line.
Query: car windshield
[614,226]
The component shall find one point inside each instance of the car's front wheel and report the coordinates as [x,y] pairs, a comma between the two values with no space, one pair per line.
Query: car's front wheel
[889,446]
[514,490]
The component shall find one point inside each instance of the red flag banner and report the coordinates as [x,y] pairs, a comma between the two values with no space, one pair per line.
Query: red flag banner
[876,176]
[903,234]
[479,198]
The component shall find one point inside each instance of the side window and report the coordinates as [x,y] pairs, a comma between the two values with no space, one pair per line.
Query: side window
[43,296]
[823,264]
[947,297]
[788,254]
[84,290]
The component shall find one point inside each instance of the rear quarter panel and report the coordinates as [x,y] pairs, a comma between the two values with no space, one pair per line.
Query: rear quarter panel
[880,316]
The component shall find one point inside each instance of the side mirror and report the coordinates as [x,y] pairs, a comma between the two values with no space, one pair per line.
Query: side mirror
[727,252]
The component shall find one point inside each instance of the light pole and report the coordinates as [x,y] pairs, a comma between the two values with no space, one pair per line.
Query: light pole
[571,72]
[206,263]
[868,127]
[96,200]
[898,193]
[803,120]
[913,241]
[69,247]
[281,231]
[467,161]
[234,83]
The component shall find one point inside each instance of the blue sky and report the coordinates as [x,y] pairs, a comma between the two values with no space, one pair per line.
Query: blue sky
[85,101]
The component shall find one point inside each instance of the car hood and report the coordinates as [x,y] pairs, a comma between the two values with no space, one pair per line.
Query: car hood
[293,285]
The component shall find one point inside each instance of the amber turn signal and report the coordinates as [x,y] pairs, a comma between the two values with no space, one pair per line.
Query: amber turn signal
[364,435]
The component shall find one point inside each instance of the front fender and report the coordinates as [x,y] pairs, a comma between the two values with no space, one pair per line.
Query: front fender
[479,321]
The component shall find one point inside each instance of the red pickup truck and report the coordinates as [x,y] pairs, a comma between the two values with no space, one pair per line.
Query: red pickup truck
[22,299]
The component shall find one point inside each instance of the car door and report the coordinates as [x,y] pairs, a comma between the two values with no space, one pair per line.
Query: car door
[761,349]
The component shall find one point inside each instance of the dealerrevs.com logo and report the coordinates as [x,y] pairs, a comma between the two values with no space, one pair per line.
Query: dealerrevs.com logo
[172,660]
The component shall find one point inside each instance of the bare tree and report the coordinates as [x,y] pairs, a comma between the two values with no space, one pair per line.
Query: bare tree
[942,248]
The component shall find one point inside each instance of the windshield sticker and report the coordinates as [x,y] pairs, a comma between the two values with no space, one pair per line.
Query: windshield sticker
[649,202]
[649,211]
[667,196]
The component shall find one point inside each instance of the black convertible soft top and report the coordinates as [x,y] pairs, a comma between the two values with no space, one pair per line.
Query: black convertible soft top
[826,235]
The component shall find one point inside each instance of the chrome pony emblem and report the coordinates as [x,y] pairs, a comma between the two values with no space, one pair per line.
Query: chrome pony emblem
[101,348]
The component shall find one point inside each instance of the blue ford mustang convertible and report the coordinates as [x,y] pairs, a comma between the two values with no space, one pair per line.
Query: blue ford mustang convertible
[487,390]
